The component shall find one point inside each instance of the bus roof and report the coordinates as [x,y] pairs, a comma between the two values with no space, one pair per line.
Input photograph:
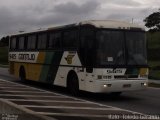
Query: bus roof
[112,24]
[96,23]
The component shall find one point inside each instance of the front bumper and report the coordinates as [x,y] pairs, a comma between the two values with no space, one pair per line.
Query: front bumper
[107,86]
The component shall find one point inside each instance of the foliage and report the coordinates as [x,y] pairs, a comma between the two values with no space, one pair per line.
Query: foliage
[153,39]
[3,55]
[4,41]
[153,21]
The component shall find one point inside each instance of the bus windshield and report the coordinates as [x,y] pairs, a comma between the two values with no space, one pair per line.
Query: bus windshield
[110,47]
[113,50]
[136,48]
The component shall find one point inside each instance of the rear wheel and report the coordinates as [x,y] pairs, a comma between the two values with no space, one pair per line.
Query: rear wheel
[73,84]
[22,74]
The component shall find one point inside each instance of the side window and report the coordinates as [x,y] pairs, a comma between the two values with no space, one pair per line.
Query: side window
[70,39]
[55,40]
[21,43]
[42,41]
[13,43]
[87,47]
[31,44]
[87,38]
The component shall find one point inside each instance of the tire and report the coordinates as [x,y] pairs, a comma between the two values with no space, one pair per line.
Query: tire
[22,74]
[73,85]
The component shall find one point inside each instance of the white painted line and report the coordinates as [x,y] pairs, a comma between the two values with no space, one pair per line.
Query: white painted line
[73,115]
[133,112]
[32,96]
[52,101]
[43,90]
[65,107]
[15,91]
[10,87]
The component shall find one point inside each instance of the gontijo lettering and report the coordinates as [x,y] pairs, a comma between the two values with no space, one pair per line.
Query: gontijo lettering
[26,56]
[12,56]
[23,56]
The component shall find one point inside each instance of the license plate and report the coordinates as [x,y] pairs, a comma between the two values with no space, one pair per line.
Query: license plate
[126,85]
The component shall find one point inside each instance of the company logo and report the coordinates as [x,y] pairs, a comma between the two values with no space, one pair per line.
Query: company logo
[69,59]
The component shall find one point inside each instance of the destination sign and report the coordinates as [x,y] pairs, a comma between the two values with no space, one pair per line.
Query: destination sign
[23,56]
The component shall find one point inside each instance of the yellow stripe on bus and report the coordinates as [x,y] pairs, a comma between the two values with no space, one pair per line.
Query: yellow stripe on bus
[41,57]
[143,71]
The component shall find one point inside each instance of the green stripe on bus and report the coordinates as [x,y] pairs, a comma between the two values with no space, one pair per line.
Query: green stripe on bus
[45,68]
[49,72]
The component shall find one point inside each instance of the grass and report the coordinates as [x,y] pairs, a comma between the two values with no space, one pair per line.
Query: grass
[153,40]
[153,64]
[154,74]
[4,56]
[154,54]
[4,66]
[154,85]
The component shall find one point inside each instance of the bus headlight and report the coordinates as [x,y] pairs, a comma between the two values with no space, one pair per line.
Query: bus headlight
[104,86]
[144,84]
[107,85]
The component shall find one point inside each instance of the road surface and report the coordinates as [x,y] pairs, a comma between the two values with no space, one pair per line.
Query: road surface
[145,102]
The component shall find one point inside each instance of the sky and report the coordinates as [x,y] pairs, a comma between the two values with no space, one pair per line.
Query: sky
[26,15]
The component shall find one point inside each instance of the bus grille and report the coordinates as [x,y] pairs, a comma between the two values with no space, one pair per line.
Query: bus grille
[125,76]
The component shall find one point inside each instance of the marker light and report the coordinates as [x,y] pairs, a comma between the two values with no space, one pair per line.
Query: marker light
[107,85]
[104,86]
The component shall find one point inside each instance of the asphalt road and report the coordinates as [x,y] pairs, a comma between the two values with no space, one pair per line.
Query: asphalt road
[146,102]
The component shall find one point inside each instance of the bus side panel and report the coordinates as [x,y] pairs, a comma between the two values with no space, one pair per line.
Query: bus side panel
[33,71]
[50,66]
[70,61]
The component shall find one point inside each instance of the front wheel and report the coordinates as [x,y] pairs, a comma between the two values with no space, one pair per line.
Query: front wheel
[73,85]
[22,74]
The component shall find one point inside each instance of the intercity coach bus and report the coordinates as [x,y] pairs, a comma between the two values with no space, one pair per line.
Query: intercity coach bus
[99,56]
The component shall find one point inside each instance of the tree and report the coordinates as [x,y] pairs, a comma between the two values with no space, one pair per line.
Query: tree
[153,21]
[4,41]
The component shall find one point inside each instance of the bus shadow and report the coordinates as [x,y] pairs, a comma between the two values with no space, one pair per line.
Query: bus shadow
[44,86]
[107,97]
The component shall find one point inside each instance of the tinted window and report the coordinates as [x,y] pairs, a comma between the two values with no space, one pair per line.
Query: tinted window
[42,40]
[110,47]
[70,39]
[31,44]
[86,45]
[21,43]
[13,43]
[87,38]
[55,40]
[136,48]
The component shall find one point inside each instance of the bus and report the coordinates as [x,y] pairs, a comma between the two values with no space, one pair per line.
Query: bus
[98,56]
